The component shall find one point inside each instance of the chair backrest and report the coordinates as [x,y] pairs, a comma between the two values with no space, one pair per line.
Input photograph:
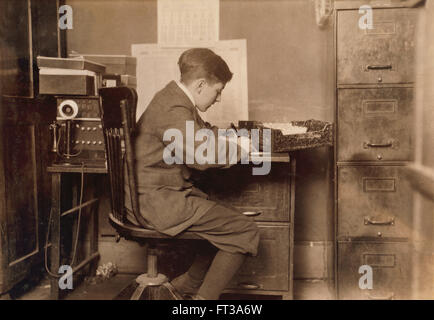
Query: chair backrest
[118,110]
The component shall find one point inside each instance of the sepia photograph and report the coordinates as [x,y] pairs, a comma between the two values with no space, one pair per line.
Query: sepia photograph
[252,152]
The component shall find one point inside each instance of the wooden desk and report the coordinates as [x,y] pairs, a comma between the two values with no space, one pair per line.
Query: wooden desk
[61,173]
[269,200]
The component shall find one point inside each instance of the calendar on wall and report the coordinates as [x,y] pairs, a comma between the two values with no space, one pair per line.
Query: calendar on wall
[188,22]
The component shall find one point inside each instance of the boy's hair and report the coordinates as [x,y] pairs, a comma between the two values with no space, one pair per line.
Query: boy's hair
[203,63]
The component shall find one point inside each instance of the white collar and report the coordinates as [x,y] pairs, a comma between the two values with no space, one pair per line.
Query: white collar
[186,91]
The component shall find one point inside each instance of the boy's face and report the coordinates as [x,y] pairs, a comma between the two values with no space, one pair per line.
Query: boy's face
[207,93]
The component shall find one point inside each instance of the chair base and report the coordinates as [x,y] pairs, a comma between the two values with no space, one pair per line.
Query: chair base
[145,287]
[148,281]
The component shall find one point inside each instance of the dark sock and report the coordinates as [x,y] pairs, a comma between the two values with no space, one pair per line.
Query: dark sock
[223,268]
[201,264]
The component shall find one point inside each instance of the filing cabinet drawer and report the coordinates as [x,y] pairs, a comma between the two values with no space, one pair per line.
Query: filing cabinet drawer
[373,201]
[383,54]
[267,195]
[375,124]
[269,270]
[390,263]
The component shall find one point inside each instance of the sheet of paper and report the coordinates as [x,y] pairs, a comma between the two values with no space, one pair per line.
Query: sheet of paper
[157,66]
[188,22]
[286,128]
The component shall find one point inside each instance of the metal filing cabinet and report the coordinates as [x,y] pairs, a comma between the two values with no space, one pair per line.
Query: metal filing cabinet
[374,117]
[390,264]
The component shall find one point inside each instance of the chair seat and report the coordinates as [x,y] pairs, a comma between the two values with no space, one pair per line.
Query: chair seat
[130,230]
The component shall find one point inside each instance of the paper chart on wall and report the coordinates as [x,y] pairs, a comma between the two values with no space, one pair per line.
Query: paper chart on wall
[157,66]
[188,22]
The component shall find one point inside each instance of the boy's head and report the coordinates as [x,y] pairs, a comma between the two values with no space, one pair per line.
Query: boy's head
[205,74]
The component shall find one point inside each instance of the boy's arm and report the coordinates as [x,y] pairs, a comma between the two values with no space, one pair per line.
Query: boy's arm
[178,132]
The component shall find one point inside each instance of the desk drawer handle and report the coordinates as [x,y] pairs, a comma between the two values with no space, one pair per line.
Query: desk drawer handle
[386,297]
[389,222]
[249,286]
[252,213]
[367,145]
[379,67]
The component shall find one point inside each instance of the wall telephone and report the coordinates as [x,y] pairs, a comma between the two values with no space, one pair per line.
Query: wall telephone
[77,132]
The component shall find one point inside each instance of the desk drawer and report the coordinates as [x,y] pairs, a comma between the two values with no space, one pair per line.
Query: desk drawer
[383,54]
[374,201]
[390,263]
[267,194]
[269,270]
[375,124]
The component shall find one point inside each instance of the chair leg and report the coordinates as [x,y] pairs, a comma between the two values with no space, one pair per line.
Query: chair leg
[172,291]
[152,263]
[138,292]
[153,279]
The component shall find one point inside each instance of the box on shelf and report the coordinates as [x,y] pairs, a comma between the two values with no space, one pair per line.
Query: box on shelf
[117,80]
[115,64]
[76,63]
[67,84]
[69,76]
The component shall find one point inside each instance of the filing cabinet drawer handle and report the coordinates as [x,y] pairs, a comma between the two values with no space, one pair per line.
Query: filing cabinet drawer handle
[367,145]
[249,286]
[386,297]
[389,222]
[252,213]
[379,67]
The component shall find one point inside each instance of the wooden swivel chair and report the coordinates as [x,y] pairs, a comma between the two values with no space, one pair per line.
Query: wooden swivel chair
[118,121]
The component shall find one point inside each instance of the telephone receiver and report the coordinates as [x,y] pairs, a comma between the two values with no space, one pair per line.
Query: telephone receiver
[62,135]
[54,128]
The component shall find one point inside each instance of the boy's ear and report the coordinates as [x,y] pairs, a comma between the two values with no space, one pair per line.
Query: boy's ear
[200,84]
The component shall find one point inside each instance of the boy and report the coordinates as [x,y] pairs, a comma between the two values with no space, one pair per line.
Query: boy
[168,199]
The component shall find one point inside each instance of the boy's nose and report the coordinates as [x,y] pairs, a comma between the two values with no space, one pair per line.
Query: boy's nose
[217,99]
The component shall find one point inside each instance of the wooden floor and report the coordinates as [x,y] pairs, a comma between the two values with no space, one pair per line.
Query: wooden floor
[109,290]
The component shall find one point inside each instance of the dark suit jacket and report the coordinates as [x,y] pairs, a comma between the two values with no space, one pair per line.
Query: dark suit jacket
[168,199]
